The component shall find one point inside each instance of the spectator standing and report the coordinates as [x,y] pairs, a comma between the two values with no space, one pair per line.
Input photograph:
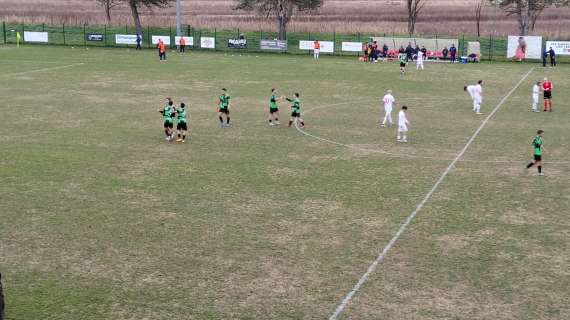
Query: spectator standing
[161,50]
[544,55]
[445,52]
[182,46]
[453,53]
[375,51]
[424,51]
[385,50]
[409,52]
[552,55]
[139,41]
[316,49]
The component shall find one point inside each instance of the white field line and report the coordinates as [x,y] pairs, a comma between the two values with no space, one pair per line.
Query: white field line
[348,298]
[43,69]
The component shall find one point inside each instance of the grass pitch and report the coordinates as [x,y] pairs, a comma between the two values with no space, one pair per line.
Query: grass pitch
[103,219]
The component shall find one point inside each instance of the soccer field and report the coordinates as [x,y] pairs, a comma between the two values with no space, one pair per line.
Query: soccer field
[101,218]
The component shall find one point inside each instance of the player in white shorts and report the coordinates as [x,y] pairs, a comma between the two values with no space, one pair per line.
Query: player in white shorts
[471,90]
[402,125]
[478,96]
[535,96]
[420,61]
[388,104]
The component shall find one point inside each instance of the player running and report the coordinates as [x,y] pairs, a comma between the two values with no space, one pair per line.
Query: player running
[181,123]
[478,97]
[547,88]
[535,96]
[273,108]
[296,111]
[167,113]
[537,152]
[224,108]
[471,90]
[402,125]
[403,58]
[388,104]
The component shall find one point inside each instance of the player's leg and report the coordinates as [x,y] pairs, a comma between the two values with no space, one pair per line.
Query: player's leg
[221,118]
[276,113]
[228,117]
[301,121]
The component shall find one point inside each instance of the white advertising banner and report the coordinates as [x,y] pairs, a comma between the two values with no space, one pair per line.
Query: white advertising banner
[208,42]
[326,46]
[561,48]
[189,40]
[352,46]
[165,39]
[521,48]
[126,39]
[35,36]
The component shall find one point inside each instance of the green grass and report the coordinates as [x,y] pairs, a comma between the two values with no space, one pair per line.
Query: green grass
[103,219]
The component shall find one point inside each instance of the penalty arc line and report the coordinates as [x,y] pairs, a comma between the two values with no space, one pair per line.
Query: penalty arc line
[348,298]
[44,69]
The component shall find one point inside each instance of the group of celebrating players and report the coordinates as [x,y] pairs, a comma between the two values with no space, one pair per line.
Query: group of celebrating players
[170,112]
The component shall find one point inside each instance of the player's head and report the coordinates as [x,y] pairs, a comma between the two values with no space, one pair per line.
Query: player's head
[389,91]
[273,90]
[540,132]
[465,88]
[170,103]
[545,79]
[182,105]
[480,82]
[405,108]
[297,94]
[538,83]
[224,90]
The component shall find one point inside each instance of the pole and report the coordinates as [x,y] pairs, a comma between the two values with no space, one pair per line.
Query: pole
[148,40]
[64,34]
[105,35]
[4,28]
[463,46]
[490,45]
[84,37]
[178,23]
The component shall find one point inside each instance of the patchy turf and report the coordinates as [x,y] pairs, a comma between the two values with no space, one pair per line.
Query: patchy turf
[103,219]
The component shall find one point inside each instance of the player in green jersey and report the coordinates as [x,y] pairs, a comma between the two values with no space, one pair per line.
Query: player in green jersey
[167,113]
[537,150]
[296,111]
[224,108]
[403,58]
[181,122]
[273,108]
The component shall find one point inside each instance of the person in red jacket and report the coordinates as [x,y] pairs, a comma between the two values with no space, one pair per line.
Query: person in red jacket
[547,87]
[161,50]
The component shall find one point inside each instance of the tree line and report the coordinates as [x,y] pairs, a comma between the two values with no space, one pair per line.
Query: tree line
[526,12]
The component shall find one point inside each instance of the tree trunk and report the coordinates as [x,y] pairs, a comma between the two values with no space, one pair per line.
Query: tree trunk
[282,25]
[108,12]
[136,17]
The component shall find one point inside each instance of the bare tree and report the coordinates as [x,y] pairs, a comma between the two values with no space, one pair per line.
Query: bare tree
[108,5]
[414,8]
[478,10]
[527,11]
[281,9]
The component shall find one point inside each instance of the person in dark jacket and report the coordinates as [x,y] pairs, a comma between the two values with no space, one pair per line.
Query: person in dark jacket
[453,53]
[544,55]
[552,55]
[445,52]
[410,52]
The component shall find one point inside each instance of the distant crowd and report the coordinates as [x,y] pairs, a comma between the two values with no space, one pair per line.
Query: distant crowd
[373,52]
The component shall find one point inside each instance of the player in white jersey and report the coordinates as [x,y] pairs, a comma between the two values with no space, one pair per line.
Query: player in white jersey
[388,104]
[535,96]
[478,96]
[402,125]
[420,61]
[471,90]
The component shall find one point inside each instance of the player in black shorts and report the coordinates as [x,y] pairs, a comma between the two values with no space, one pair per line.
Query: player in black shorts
[296,110]
[182,123]
[224,108]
